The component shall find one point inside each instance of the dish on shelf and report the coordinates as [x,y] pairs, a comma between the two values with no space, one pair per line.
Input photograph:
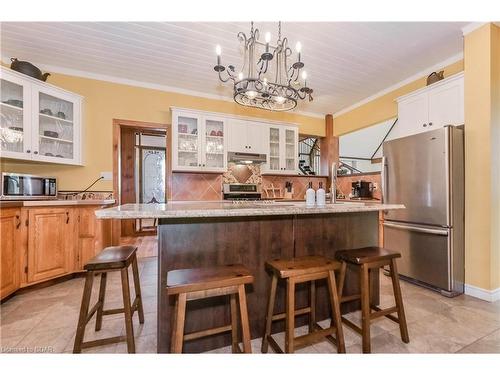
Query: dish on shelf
[16,128]
[52,134]
[61,115]
[46,111]
[49,154]
[14,102]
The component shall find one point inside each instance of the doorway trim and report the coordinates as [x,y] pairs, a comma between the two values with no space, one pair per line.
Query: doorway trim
[117,125]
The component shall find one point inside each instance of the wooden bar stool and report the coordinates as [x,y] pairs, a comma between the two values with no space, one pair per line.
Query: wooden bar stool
[116,258]
[367,259]
[296,271]
[197,283]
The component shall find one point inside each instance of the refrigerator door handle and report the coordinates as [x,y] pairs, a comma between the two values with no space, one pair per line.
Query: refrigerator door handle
[441,232]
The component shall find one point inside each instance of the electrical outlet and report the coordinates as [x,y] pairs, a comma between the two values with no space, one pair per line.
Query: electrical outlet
[107,176]
[375,186]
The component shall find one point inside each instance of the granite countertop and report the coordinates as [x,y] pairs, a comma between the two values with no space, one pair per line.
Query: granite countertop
[228,209]
[57,202]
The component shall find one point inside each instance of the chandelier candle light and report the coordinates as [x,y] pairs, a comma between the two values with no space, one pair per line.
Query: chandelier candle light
[256,88]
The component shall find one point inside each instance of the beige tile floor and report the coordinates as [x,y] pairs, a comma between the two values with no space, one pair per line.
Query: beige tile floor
[44,321]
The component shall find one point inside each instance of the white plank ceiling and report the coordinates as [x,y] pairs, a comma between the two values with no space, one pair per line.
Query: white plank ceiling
[346,61]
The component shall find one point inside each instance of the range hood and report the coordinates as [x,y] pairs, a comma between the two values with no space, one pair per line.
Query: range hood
[246,158]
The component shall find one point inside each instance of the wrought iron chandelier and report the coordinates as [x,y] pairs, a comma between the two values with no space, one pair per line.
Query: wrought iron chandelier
[254,86]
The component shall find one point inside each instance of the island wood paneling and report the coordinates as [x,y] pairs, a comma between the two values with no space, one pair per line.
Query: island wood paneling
[188,243]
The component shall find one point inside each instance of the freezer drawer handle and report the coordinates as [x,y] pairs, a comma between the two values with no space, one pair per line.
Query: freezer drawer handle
[441,232]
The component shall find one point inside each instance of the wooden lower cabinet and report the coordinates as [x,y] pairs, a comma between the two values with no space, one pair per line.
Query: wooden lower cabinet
[51,242]
[10,249]
[42,243]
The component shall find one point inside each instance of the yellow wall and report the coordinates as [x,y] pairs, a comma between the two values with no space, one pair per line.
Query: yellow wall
[105,101]
[384,107]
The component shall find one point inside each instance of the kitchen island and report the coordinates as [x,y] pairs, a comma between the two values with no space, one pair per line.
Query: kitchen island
[201,234]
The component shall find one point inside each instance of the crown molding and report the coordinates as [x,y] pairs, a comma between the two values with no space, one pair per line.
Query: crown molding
[471,27]
[146,85]
[416,76]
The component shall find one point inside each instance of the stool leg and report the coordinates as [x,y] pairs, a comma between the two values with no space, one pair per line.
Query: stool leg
[365,308]
[234,323]
[343,269]
[84,310]
[178,328]
[290,315]
[269,316]
[312,304]
[245,325]
[102,293]
[399,302]
[336,317]
[137,287]
[129,328]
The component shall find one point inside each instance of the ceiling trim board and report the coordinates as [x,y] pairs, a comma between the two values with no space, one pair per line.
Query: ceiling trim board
[471,27]
[147,85]
[422,73]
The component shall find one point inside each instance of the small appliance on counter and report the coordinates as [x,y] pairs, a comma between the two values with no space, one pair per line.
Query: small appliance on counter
[241,191]
[17,186]
[362,190]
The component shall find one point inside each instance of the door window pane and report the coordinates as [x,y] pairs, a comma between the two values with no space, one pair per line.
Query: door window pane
[11,117]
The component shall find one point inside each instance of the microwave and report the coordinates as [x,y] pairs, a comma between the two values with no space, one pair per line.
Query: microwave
[16,186]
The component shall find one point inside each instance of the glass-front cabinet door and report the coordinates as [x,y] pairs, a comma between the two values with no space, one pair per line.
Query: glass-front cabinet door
[290,150]
[213,147]
[15,117]
[274,162]
[186,142]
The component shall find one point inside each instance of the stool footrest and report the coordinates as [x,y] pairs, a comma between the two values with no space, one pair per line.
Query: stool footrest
[92,311]
[351,325]
[207,332]
[313,337]
[305,310]
[277,349]
[353,297]
[384,312]
[106,341]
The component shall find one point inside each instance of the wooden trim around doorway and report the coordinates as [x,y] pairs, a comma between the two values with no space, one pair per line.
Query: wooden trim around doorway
[141,126]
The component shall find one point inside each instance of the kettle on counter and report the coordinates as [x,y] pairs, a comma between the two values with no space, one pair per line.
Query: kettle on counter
[28,68]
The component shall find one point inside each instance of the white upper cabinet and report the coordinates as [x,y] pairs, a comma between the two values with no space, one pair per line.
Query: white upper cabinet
[39,121]
[247,136]
[282,155]
[198,142]
[432,107]
[201,141]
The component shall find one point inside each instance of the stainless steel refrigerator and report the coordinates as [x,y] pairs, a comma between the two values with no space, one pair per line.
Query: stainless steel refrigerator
[425,172]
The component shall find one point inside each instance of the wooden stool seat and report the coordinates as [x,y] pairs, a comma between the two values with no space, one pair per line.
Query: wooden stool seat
[302,265]
[295,271]
[197,283]
[367,259]
[116,258]
[366,255]
[197,279]
[113,257]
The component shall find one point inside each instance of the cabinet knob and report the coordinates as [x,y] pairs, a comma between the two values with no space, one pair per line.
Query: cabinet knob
[203,164]
[199,165]
[28,151]
[249,146]
[430,123]
[35,152]
[425,125]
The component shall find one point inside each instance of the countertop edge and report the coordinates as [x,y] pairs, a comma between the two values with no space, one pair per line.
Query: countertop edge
[118,213]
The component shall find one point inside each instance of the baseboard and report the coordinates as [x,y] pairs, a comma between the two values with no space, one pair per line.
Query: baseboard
[484,294]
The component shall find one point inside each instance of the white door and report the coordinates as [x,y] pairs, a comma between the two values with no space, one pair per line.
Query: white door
[446,104]
[275,153]
[257,135]
[213,147]
[15,117]
[186,142]
[289,150]
[413,116]
[56,126]
[238,138]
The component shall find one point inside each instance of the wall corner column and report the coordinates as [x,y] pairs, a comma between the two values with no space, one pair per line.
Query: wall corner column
[329,149]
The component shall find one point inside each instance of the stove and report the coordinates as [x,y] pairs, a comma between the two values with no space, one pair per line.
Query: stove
[241,192]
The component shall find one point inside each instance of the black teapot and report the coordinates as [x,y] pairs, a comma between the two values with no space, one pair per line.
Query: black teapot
[28,69]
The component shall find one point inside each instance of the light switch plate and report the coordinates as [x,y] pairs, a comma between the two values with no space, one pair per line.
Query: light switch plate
[107,176]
